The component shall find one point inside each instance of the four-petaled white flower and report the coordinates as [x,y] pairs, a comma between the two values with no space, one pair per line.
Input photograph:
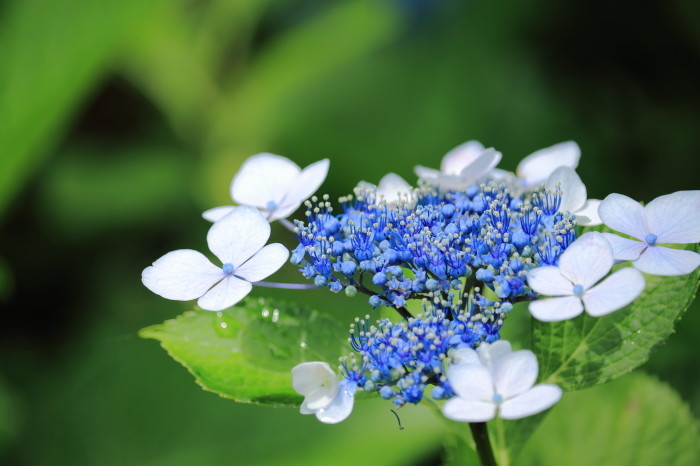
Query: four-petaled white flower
[581,266]
[536,167]
[274,184]
[330,400]
[574,196]
[237,240]
[391,188]
[673,218]
[461,167]
[495,380]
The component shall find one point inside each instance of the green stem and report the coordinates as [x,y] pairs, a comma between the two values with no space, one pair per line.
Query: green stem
[483,446]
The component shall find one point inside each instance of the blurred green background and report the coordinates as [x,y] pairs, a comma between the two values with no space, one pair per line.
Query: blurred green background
[120,122]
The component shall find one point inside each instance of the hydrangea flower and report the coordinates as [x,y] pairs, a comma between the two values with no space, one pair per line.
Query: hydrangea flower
[536,167]
[461,167]
[494,380]
[237,240]
[274,184]
[673,218]
[326,397]
[574,196]
[573,282]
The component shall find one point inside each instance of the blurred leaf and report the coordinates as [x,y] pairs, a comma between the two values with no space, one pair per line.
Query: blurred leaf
[295,60]
[587,351]
[636,420]
[246,353]
[93,189]
[9,425]
[6,279]
[53,52]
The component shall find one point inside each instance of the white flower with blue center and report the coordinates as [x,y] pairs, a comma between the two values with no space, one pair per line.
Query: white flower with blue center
[536,167]
[574,285]
[673,218]
[461,167]
[274,184]
[574,198]
[238,240]
[326,397]
[493,381]
[391,188]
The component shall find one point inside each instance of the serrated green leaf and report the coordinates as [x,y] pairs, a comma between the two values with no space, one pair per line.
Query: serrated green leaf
[587,351]
[636,420]
[246,353]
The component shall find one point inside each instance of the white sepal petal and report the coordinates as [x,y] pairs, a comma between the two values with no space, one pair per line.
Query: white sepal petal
[239,235]
[613,293]
[471,381]
[465,356]
[340,408]
[317,382]
[549,281]
[489,353]
[536,167]
[675,218]
[462,410]
[303,187]
[556,309]
[217,213]
[181,275]
[660,260]
[588,214]
[225,294]
[455,160]
[264,263]
[625,249]
[481,166]
[263,178]
[515,373]
[533,401]
[573,191]
[425,173]
[308,376]
[624,214]
[393,188]
[587,260]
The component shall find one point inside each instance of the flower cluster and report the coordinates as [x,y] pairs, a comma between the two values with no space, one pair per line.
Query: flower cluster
[452,256]
[433,243]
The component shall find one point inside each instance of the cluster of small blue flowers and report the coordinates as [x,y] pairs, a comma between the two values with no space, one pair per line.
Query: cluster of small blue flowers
[464,255]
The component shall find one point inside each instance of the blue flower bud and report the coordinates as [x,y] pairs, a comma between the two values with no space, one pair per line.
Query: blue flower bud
[484,275]
[386,392]
[320,281]
[379,278]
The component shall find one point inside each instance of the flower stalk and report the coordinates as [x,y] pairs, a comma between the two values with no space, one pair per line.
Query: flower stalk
[483,446]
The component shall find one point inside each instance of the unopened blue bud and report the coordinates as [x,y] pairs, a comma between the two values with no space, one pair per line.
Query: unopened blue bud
[386,392]
[379,278]
[320,281]
[437,392]
[432,284]
[375,301]
[348,268]
[484,275]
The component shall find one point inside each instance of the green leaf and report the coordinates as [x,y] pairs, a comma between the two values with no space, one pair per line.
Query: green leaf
[587,351]
[635,420]
[53,52]
[246,353]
